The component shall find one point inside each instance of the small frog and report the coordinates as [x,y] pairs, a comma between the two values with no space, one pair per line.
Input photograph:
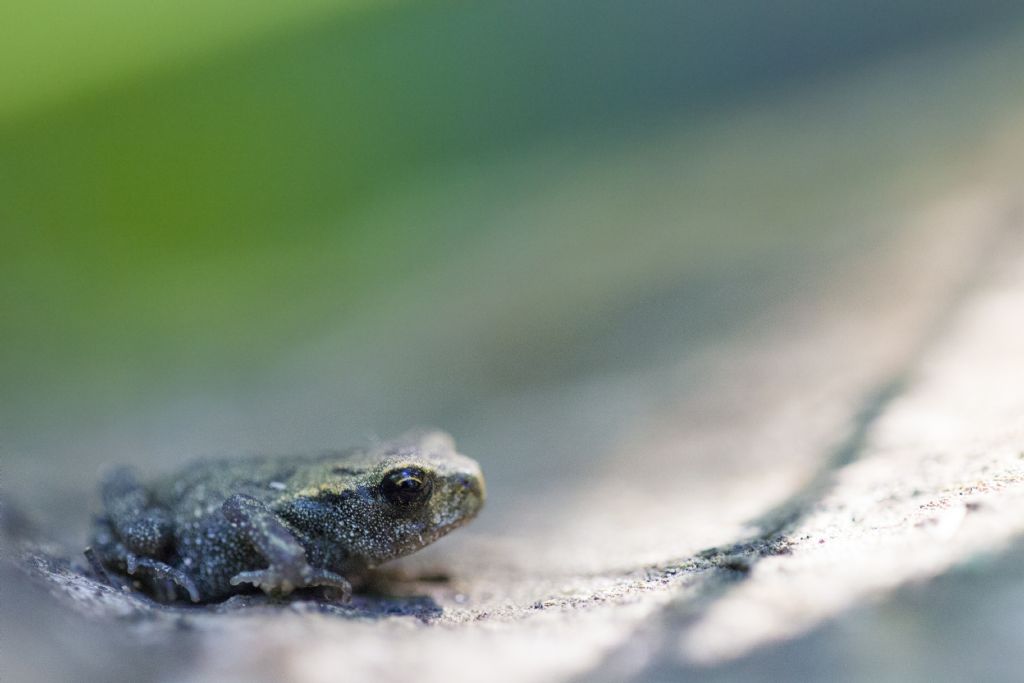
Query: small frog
[222,527]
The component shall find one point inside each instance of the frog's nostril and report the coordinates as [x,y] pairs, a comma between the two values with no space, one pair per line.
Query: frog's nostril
[471,485]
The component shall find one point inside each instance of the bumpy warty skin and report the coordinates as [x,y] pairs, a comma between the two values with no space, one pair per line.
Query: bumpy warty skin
[291,522]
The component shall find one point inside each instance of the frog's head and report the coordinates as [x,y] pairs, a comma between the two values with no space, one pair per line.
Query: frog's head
[400,496]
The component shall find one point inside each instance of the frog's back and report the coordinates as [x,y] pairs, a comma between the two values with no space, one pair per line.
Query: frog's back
[208,483]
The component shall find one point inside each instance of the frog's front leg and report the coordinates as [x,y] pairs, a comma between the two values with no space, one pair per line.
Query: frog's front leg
[287,566]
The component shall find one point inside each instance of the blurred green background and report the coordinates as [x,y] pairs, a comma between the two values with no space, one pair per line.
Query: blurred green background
[231,226]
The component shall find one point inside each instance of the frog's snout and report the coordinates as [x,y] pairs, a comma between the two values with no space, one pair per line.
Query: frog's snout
[468,484]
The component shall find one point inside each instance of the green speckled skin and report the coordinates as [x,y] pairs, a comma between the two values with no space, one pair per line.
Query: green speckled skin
[222,527]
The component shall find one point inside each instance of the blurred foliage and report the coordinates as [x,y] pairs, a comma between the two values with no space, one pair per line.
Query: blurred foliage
[184,186]
[56,49]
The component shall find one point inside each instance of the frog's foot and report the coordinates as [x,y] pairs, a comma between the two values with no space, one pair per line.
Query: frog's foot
[281,581]
[164,571]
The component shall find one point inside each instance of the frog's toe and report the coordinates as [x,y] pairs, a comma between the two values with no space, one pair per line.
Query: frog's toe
[268,580]
[277,582]
[339,587]
[100,571]
[161,570]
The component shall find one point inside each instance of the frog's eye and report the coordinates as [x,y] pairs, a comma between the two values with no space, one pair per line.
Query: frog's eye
[406,486]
